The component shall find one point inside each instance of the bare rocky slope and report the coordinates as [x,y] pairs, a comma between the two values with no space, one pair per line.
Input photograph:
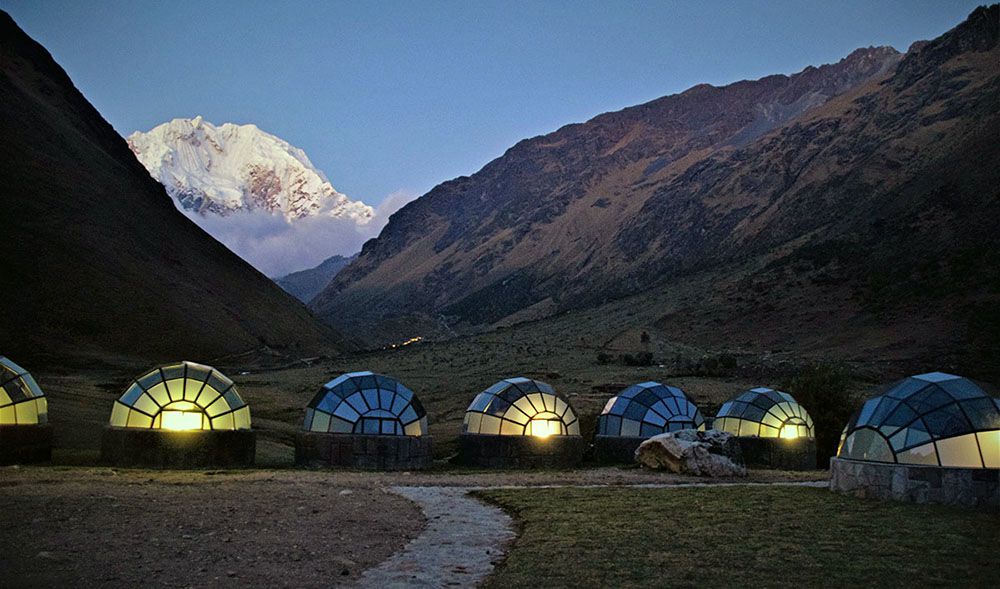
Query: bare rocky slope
[864,192]
[97,262]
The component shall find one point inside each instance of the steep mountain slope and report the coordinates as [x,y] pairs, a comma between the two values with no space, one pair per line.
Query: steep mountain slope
[306,284]
[541,218]
[97,261]
[886,185]
[232,168]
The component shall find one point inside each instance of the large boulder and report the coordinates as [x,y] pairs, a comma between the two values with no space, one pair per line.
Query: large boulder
[710,453]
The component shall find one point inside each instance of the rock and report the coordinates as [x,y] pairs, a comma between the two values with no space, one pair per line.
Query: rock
[710,453]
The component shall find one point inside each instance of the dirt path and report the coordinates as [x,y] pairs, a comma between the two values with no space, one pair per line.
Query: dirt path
[463,541]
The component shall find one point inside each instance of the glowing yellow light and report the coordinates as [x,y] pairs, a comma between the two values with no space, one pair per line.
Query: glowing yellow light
[543,428]
[180,420]
[790,430]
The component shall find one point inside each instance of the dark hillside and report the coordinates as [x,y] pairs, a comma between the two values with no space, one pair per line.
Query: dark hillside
[96,260]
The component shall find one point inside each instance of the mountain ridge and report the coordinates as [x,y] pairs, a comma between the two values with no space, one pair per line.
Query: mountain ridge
[306,284]
[856,216]
[674,129]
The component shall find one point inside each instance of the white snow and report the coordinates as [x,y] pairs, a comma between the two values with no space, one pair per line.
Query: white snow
[239,168]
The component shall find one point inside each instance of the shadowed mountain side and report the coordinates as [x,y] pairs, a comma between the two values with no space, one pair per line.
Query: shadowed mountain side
[306,284]
[883,195]
[96,260]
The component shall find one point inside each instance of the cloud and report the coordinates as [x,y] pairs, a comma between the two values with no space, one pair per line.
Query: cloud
[276,247]
[392,203]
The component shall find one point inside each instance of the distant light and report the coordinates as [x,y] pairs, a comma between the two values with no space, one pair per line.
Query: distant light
[180,420]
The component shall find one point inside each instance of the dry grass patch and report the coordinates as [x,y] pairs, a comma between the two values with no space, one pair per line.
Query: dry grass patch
[747,536]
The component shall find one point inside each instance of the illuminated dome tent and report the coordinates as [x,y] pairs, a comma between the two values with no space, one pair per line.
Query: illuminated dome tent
[180,415]
[520,422]
[365,420]
[927,423]
[774,431]
[932,419]
[25,435]
[640,412]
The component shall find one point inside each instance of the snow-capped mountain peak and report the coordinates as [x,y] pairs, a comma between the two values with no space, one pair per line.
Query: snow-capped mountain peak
[231,168]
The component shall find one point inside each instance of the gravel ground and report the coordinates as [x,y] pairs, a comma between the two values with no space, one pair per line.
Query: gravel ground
[98,527]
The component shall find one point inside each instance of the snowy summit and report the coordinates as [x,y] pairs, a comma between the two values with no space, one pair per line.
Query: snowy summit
[232,168]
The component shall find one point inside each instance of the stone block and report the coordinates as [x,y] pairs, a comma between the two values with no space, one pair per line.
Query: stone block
[370,452]
[24,444]
[519,451]
[157,448]
[964,487]
[779,453]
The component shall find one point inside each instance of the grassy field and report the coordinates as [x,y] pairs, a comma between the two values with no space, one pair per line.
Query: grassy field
[746,536]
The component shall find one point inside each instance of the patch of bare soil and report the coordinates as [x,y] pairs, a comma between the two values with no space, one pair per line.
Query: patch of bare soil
[99,527]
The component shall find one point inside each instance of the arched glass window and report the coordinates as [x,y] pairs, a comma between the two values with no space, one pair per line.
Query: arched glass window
[366,403]
[21,401]
[933,419]
[521,407]
[184,396]
[764,413]
[647,409]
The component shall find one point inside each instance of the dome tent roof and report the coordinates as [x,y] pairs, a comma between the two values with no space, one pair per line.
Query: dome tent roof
[22,402]
[647,409]
[765,413]
[185,396]
[934,419]
[521,406]
[366,403]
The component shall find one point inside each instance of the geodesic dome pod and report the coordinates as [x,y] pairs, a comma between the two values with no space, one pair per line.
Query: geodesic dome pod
[932,419]
[521,407]
[764,413]
[647,409]
[366,403]
[21,400]
[183,396]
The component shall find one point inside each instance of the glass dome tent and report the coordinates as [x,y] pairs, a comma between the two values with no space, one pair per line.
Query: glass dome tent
[764,413]
[520,407]
[21,400]
[25,433]
[647,409]
[365,420]
[932,419]
[183,396]
[366,403]
[182,415]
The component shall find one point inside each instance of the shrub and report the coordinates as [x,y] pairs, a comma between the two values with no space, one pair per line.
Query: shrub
[637,359]
[825,392]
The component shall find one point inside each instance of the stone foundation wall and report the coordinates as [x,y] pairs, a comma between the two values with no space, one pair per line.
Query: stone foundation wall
[157,448]
[520,451]
[22,444]
[615,449]
[779,453]
[964,487]
[370,452]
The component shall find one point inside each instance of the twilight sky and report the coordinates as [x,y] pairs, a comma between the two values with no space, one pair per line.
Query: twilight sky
[395,97]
